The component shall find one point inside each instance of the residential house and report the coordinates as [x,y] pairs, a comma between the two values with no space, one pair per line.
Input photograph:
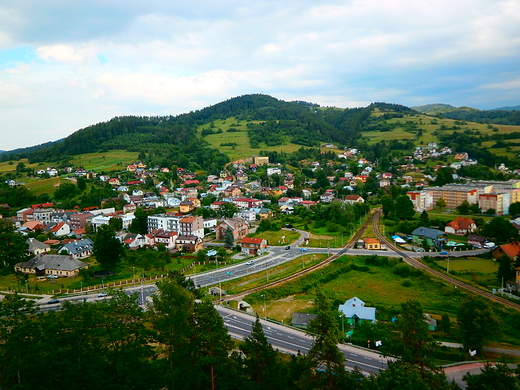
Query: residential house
[189,243]
[460,225]
[355,311]
[78,249]
[57,229]
[58,265]
[253,246]
[433,237]
[238,227]
[247,203]
[169,239]
[371,243]
[510,250]
[351,199]
[186,206]
[37,247]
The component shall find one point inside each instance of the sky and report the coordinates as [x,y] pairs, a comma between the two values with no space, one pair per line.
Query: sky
[68,64]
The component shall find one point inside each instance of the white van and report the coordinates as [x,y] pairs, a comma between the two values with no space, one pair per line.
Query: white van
[489,245]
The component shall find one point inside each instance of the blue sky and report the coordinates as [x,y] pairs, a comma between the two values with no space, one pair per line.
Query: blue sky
[67,64]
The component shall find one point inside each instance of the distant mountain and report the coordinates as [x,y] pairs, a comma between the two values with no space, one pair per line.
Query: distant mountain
[507,108]
[433,109]
[497,116]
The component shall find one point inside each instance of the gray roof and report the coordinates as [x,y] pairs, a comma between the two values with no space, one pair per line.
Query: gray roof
[78,246]
[53,262]
[356,307]
[428,233]
[34,244]
[302,319]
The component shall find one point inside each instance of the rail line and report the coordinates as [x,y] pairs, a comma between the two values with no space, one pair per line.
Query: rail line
[419,265]
[313,268]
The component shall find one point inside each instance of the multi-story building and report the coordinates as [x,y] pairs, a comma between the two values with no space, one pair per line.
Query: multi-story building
[43,215]
[422,200]
[494,201]
[191,226]
[79,220]
[168,222]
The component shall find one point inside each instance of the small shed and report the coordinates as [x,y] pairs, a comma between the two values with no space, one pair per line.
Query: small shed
[301,320]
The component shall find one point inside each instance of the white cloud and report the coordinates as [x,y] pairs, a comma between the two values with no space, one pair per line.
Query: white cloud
[172,57]
[60,53]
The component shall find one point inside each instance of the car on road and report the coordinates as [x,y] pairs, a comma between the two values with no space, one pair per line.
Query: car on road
[102,294]
[250,262]
[229,273]
[287,247]
[53,301]
[443,252]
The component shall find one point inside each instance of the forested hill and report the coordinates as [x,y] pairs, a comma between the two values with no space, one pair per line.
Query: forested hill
[303,123]
[504,116]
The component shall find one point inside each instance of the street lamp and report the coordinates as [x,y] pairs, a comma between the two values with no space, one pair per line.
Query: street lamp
[265,310]
[27,285]
[133,276]
[266,273]
[81,290]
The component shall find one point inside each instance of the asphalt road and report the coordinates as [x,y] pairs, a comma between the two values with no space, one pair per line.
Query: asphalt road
[292,341]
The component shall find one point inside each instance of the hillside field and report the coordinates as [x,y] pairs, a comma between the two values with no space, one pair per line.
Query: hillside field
[239,137]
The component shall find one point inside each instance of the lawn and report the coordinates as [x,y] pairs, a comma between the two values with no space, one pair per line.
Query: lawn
[482,272]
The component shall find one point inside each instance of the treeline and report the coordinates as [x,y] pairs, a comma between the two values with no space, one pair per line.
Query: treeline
[500,117]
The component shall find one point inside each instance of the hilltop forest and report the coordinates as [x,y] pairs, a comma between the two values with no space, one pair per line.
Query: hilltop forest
[273,122]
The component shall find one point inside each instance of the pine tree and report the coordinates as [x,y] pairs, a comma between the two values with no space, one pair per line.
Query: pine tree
[212,344]
[261,362]
[327,362]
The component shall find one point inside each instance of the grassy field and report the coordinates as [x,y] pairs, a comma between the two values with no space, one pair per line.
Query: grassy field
[482,272]
[428,128]
[275,238]
[377,285]
[242,148]
[112,160]
[257,279]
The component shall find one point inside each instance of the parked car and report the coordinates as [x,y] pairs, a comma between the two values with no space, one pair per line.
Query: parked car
[250,262]
[489,245]
[52,277]
[53,301]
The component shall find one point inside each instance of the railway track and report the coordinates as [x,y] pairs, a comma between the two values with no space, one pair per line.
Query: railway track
[419,265]
[313,268]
